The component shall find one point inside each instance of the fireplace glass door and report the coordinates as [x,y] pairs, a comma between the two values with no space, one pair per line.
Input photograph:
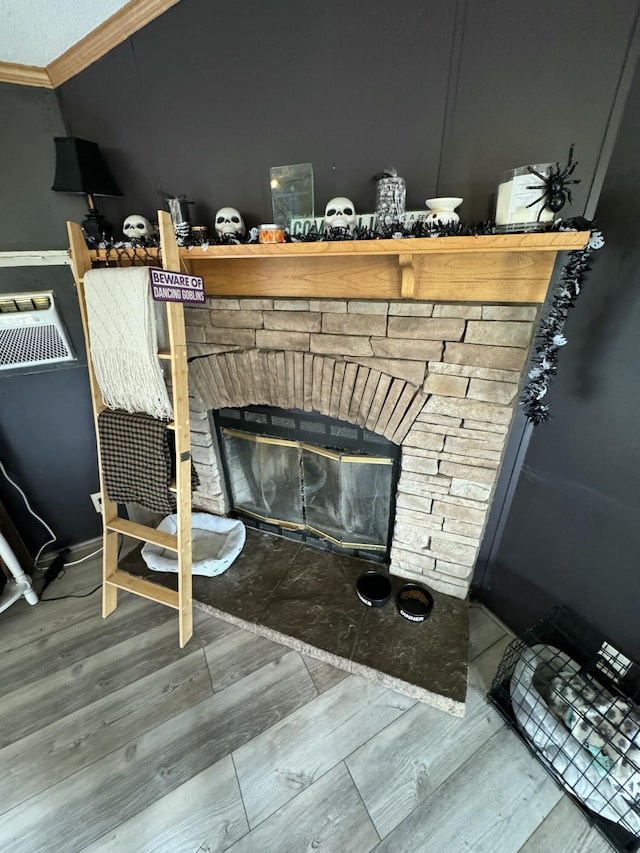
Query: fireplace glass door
[347,498]
[339,496]
[263,478]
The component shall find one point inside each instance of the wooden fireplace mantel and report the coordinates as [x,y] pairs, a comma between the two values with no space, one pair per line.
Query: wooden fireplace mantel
[489,268]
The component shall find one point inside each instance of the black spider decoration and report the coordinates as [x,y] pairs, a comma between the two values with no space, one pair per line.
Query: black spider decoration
[554,185]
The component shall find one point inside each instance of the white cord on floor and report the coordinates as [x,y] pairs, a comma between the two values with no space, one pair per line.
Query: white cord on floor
[82,559]
[44,524]
[34,514]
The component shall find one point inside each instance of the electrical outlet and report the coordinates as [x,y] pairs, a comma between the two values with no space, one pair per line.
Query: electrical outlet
[96,499]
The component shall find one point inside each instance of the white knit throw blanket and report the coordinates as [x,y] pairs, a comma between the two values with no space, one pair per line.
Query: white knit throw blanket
[123,337]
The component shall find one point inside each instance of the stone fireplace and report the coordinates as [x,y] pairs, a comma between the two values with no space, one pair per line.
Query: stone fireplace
[423,343]
[438,379]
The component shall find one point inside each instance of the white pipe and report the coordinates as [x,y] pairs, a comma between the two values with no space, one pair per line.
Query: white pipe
[9,559]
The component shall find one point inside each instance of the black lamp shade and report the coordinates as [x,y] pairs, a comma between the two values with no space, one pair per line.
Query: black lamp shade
[80,168]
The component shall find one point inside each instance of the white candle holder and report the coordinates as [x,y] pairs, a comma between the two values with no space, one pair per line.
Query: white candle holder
[442,211]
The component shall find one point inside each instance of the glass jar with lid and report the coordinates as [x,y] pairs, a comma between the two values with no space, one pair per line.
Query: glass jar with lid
[271,233]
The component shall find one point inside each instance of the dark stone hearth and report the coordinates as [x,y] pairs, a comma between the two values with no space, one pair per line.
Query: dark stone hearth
[306,599]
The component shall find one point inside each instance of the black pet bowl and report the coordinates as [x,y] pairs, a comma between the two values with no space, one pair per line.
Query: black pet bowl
[374,589]
[414,602]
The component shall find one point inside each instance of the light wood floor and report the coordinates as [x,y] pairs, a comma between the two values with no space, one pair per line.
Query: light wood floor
[112,739]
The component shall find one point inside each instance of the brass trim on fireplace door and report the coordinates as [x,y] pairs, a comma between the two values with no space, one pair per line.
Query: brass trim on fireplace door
[339,457]
[259,439]
[312,448]
[359,545]
[286,525]
[363,547]
[291,525]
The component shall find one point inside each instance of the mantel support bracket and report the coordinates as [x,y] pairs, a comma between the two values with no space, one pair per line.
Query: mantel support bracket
[408,284]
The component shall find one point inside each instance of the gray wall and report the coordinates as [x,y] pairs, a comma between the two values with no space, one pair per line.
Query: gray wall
[573,534]
[207,97]
[46,426]
[31,216]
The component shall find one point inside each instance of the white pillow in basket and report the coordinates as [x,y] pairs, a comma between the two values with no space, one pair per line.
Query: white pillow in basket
[216,542]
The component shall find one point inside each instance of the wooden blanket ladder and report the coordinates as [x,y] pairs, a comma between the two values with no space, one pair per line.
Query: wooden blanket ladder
[176,356]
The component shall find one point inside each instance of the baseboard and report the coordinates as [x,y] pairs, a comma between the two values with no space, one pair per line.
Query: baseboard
[491,615]
[76,552]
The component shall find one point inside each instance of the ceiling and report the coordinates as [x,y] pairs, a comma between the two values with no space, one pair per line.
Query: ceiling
[35,32]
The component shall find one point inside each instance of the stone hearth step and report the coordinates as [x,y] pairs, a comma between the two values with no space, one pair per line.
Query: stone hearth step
[305,598]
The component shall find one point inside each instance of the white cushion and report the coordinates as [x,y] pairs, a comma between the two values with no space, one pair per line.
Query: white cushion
[216,542]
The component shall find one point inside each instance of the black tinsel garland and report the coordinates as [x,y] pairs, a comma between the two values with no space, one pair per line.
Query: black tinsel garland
[550,337]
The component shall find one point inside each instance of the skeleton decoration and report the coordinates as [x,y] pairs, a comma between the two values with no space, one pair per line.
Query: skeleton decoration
[229,224]
[136,227]
[340,213]
[179,210]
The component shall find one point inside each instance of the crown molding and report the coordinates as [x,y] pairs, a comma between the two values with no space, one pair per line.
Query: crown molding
[128,20]
[24,75]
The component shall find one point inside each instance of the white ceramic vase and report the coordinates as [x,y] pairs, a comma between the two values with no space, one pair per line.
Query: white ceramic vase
[442,211]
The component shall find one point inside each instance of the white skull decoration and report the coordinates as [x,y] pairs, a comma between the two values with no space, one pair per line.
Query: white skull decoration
[136,227]
[340,213]
[229,223]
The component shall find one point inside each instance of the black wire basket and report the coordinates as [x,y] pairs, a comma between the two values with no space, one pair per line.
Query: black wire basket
[572,698]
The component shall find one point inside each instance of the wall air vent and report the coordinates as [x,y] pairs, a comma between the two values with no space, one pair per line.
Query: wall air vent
[31,331]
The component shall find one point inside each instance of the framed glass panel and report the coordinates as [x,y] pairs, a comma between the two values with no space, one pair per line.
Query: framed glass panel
[365,502]
[347,498]
[292,193]
[264,478]
[322,493]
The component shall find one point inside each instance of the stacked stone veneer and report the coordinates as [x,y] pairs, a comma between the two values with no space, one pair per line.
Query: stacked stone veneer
[440,380]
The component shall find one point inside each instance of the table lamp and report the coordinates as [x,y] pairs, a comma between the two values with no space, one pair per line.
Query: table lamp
[80,168]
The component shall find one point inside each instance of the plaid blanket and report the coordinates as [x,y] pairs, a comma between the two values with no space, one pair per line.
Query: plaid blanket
[138,459]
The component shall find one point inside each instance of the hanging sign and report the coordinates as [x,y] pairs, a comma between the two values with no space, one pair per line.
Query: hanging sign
[167,286]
